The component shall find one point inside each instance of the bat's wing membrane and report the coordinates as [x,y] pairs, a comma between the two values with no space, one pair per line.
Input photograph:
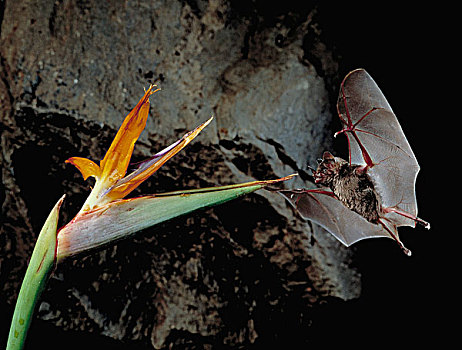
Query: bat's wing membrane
[320,207]
[376,140]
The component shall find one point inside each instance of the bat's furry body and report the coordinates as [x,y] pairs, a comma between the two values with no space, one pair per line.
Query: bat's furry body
[352,186]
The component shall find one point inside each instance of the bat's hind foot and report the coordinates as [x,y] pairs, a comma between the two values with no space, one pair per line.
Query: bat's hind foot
[423,223]
[394,235]
[409,216]
[404,249]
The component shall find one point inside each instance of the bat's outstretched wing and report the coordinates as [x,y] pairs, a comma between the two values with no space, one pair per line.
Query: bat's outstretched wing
[321,207]
[376,140]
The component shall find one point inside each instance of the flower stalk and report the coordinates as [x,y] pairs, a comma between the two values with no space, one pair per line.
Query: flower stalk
[40,266]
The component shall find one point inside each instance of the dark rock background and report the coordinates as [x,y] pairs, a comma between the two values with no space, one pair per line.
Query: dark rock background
[247,274]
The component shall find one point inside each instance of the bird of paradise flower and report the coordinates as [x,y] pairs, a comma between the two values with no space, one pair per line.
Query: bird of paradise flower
[106,216]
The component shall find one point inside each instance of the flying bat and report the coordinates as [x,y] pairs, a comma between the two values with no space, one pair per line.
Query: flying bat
[373,193]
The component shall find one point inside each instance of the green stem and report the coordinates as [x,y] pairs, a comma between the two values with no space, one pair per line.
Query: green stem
[40,266]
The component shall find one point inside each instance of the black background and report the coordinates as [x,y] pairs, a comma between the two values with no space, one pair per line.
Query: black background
[404,49]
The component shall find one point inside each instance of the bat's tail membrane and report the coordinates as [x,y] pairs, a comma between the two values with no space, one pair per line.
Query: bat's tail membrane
[391,229]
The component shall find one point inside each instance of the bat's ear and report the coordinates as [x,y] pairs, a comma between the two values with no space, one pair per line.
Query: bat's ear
[313,170]
[327,156]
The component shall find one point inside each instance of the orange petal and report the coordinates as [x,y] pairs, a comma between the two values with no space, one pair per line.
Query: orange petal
[86,167]
[115,162]
[124,186]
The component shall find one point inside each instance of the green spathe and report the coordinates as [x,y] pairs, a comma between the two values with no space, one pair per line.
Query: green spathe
[122,218]
[39,268]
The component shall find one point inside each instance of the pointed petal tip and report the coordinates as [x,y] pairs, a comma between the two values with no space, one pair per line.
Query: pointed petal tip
[285,178]
[85,166]
[208,120]
[70,160]
[266,183]
[60,201]
[198,129]
[188,137]
[151,90]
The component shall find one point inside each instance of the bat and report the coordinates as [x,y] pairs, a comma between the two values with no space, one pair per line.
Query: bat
[373,193]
